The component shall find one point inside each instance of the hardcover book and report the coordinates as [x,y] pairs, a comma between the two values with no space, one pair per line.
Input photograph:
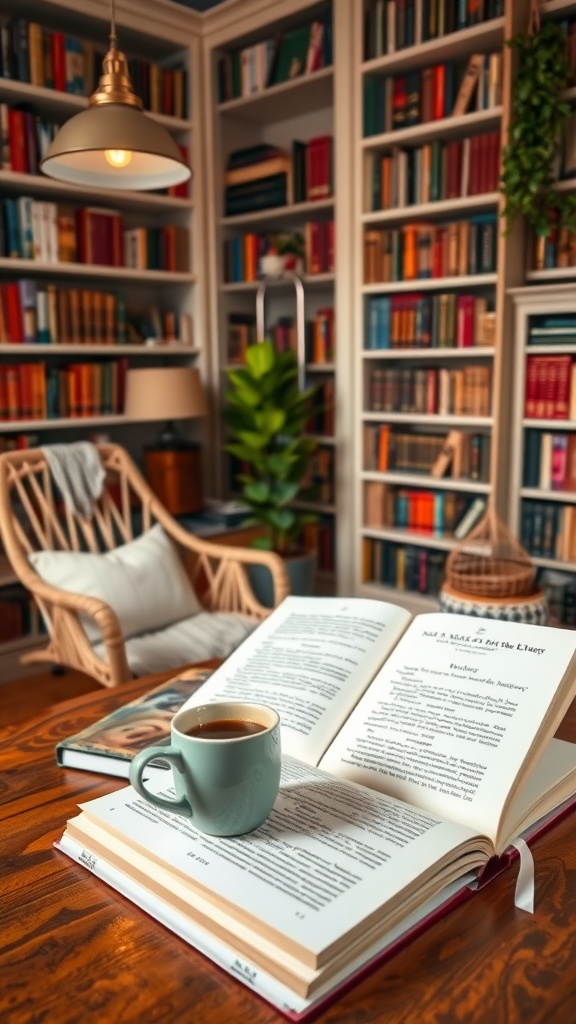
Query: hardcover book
[417,753]
[109,745]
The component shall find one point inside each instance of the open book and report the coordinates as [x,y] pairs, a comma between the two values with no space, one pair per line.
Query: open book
[415,751]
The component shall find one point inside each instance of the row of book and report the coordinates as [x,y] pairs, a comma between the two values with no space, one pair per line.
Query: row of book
[387,450]
[57,233]
[436,391]
[18,614]
[319,336]
[403,566]
[422,251]
[550,460]
[264,175]
[18,442]
[34,391]
[440,513]
[555,251]
[24,139]
[319,478]
[391,25]
[550,390]
[414,320]
[36,314]
[437,170]
[552,329]
[289,54]
[432,93]
[548,530]
[30,52]
[243,253]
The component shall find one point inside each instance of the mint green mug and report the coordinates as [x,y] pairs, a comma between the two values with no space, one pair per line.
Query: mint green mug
[225,760]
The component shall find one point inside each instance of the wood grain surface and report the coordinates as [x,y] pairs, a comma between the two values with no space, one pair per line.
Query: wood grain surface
[73,950]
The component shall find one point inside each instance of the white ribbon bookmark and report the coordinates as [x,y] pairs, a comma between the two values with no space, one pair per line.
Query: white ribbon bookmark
[524,895]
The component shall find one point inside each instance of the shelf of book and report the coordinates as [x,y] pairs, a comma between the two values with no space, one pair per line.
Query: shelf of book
[486,35]
[404,283]
[36,96]
[542,495]
[272,89]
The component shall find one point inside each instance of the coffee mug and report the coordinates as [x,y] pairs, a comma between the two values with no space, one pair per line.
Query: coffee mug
[225,760]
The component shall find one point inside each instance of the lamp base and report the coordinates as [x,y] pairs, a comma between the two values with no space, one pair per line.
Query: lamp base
[176,478]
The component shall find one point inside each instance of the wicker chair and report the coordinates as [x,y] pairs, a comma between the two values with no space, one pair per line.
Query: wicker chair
[32,518]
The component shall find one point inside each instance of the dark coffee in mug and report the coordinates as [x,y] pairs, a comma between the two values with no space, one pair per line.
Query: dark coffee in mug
[225,729]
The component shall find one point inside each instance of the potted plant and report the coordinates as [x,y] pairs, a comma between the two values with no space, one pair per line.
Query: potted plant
[266,415]
[538,119]
[285,252]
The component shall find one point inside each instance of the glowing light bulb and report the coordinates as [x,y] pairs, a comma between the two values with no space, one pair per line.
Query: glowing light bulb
[118,157]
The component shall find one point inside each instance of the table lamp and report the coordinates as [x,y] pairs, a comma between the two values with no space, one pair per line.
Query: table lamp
[172,461]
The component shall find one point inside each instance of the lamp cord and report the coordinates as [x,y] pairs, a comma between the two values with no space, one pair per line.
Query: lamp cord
[113,39]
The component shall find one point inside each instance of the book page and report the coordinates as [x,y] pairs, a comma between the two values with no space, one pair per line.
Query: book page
[455,713]
[326,870]
[311,660]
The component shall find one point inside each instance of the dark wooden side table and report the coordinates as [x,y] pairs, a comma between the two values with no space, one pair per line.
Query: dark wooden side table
[71,949]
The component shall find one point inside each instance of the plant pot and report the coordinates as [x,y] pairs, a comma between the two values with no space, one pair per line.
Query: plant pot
[301,571]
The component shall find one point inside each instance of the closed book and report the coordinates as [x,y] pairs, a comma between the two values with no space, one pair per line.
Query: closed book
[27,297]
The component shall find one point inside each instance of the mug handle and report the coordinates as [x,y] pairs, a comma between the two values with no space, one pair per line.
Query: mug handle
[137,766]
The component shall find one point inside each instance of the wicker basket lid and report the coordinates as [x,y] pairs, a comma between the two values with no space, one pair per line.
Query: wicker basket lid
[490,561]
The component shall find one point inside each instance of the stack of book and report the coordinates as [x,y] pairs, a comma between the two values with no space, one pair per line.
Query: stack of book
[257,178]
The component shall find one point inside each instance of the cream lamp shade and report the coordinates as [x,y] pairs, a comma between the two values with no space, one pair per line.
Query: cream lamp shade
[113,144]
[164,393]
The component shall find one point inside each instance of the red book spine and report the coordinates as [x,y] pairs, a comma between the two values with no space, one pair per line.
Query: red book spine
[83,236]
[454,169]
[17,133]
[465,321]
[58,61]
[439,87]
[14,313]
[562,387]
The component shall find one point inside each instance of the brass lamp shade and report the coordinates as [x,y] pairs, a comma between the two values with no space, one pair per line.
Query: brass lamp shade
[114,144]
[164,393]
[77,154]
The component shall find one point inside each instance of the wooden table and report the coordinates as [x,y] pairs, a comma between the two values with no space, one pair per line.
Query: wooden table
[72,950]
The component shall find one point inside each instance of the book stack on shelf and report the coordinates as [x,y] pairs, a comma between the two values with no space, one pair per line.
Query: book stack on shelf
[444,320]
[459,455]
[424,251]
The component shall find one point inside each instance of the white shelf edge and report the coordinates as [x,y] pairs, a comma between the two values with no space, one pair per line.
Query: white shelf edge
[398,536]
[41,184]
[240,103]
[429,129]
[424,482]
[70,423]
[431,283]
[430,417]
[439,207]
[538,494]
[55,349]
[64,269]
[308,280]
[276,212]
[472,351]
[549,424]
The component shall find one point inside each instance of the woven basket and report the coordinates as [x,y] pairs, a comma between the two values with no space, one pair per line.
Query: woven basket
[490,562]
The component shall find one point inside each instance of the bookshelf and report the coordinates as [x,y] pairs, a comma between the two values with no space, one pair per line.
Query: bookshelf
[433,332]
[303,109]
[159,306]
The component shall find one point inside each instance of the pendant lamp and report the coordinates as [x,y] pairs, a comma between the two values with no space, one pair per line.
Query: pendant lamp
[113,144]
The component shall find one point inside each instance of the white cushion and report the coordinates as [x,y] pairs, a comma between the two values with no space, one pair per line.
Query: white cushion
[206,635]
[144,581]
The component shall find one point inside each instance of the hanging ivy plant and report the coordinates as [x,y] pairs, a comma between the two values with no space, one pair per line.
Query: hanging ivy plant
[536,132]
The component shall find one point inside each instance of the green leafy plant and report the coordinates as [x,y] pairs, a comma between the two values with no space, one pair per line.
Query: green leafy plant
[536,131]
[266,414]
